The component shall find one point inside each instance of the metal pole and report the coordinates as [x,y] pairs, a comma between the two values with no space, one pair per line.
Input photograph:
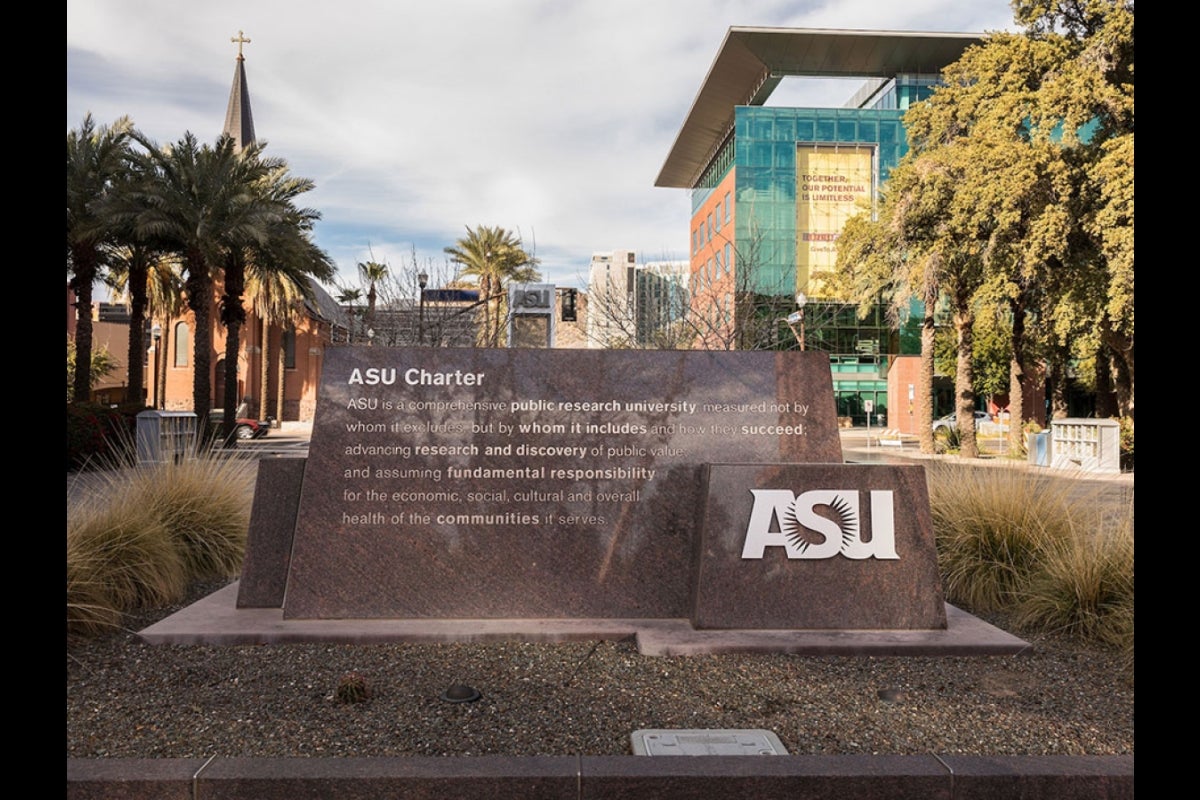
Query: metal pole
[156,338]
[422,282]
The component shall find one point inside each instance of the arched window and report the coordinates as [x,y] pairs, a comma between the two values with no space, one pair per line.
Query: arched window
[181,344]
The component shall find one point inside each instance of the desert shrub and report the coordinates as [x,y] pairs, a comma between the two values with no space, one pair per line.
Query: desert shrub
[204,505]
[992,525]
[138,536]
[1084,586]
[119,557]
[90,609]
[947,440]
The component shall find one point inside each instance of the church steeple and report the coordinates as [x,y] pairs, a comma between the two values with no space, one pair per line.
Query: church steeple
[239,122]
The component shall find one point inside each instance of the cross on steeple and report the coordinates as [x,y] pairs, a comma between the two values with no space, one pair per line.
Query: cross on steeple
[239,40]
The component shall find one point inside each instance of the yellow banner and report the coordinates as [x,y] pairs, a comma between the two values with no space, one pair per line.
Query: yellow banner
[830,183]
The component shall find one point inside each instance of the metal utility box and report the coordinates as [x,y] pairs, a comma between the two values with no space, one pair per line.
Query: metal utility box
[165,436]
[1087,445]
[1037,447]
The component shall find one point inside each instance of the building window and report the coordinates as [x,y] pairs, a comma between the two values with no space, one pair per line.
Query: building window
[728,260]
[718,218]
[289,349]
[181,344]
[727,206]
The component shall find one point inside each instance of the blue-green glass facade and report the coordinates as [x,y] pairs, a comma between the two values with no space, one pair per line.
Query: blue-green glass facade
[763,150]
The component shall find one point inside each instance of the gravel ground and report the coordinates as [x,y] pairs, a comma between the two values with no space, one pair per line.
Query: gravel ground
[127,699]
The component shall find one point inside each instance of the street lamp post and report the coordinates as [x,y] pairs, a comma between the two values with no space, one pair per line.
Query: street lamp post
[156,337]
[422,282]
[797,318]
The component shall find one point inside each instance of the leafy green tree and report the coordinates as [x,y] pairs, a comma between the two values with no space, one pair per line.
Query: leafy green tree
[1015,199]
[873,262]
[1092,93]
[493,257]
[95,165]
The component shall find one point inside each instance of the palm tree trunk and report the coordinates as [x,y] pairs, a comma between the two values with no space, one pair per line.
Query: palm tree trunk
[233,314]
[200,297]
[84,260]
[964,321]
[161,365]
[1016,380]
[264,350]
[924,394]
[279,388]
[138,303]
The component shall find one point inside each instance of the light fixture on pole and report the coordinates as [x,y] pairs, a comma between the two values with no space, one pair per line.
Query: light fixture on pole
[156,337]
[422,281]
[797,318]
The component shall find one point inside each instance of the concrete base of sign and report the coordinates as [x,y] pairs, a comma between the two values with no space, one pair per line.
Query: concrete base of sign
[217,620]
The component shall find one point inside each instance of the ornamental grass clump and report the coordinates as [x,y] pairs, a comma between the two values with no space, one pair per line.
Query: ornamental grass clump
[138,536]
[993,525]
[119,557]
[1084,586]
[204,505]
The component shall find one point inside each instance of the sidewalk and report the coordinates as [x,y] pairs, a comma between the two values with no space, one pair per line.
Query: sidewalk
[860,447]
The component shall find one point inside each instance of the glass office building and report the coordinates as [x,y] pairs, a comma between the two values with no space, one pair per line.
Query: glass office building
[771,187]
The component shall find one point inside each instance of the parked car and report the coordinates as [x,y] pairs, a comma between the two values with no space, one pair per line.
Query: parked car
[983,422]
[247,428]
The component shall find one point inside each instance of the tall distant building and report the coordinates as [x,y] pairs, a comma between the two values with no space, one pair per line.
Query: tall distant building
[631,304]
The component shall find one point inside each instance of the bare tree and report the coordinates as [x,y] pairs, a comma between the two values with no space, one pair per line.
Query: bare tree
[733,302]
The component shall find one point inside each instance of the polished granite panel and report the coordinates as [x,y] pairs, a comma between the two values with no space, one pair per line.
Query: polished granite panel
[494,483]
[272,525]
[817,546]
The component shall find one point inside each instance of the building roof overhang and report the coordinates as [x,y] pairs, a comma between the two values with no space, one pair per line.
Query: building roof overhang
[752,61]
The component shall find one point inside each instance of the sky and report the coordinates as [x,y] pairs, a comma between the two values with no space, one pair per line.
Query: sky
[417,121]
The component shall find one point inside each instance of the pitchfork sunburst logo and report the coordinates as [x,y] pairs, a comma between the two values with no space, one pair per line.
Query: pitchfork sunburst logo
[822,523]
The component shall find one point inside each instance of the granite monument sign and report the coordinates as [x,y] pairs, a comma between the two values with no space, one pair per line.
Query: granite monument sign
[500,483]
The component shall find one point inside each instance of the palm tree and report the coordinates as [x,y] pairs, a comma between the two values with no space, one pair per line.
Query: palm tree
[277,299]
[148,280]
[348,296]
[372,272]
[202,203]
[95,164]
[277,241]
[494,257]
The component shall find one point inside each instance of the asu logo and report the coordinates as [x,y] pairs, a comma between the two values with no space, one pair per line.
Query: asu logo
[803,533]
